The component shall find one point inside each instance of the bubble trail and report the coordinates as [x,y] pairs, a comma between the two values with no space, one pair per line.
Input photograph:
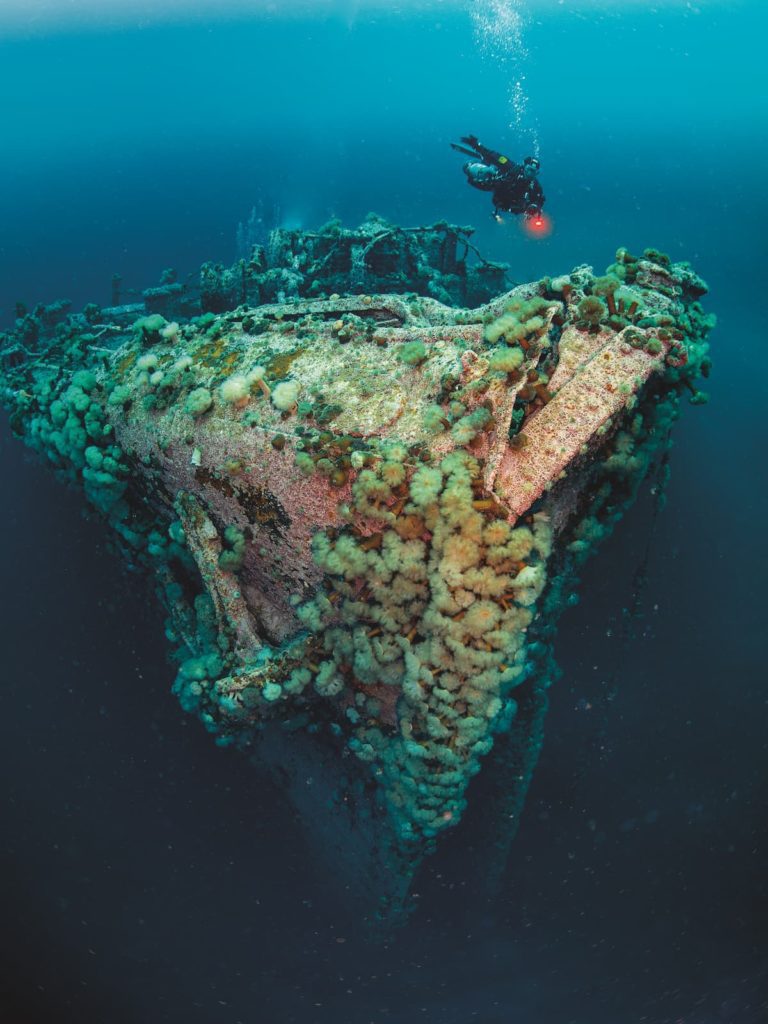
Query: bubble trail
[498,28]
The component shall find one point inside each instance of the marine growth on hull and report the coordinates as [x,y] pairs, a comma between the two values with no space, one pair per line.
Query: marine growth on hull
[365,506]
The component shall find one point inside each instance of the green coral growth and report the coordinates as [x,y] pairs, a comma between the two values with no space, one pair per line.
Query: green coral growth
[506,360]
[149,328]
[198,402]
[468,427]
[232,556]
[592,311]
[412,353]
[523,320]
[435,420]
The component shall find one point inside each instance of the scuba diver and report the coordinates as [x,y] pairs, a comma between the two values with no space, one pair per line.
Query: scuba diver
[514,187]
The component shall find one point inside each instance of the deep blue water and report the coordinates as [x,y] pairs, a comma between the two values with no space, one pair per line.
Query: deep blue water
[149,877]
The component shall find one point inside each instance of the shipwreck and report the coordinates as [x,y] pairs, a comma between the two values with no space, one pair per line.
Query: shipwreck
[365,504]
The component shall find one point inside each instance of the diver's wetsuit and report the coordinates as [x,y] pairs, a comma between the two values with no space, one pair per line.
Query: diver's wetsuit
[514,187]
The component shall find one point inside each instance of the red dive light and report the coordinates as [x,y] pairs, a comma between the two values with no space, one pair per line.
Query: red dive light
[537,226]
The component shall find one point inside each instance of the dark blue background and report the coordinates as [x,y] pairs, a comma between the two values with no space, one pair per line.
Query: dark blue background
[150,877]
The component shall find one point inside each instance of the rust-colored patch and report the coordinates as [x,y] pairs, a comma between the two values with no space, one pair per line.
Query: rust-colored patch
[279,365]
[263,509]
[210,352]
[209,479]
[230,361]
[127,362]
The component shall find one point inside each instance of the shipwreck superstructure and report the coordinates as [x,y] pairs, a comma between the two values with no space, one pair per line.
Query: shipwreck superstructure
[365,509]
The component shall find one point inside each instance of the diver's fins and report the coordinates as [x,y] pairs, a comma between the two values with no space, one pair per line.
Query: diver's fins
[464,150]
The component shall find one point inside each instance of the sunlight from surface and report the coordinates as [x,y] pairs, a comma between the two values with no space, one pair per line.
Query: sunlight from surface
[45,16]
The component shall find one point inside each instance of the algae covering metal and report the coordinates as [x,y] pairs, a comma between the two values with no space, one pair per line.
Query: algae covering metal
[365,513]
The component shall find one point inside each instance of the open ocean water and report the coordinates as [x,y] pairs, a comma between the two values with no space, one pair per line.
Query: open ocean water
[148,876]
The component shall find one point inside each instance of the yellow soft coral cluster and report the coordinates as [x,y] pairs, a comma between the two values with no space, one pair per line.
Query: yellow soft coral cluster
[428,618]
[523,319]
